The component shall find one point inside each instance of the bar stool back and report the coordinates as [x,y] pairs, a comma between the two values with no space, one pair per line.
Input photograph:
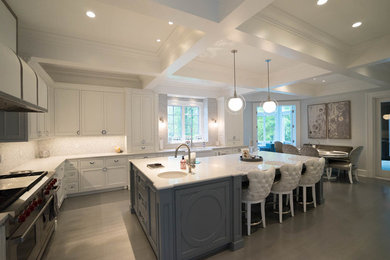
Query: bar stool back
[314,171]
[291,174]
[260,183]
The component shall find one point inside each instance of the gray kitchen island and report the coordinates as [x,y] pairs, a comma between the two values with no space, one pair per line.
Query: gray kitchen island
[187,216]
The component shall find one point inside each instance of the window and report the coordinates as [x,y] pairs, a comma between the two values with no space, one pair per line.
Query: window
[279,126]
[185,121]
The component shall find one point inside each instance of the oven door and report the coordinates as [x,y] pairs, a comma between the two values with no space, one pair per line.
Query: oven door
[30,239]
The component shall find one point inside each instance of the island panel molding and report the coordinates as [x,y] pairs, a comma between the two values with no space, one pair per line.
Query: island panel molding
[316,118]
[339,120]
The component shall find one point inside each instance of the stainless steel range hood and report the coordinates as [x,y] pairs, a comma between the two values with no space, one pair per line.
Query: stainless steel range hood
[9,103]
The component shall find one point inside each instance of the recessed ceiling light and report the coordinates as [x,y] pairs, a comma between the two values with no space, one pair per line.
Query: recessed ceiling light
[90,14]
[170,22]
[321,2]
[357,24]
[158,40]
[323,81]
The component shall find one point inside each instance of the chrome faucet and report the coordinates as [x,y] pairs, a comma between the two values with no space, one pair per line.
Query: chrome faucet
[190,166]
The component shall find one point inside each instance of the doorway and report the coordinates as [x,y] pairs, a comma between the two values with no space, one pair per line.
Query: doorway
[383,137]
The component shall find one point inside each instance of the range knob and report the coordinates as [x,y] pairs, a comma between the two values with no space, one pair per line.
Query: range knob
[39,201]
[21,218]
[31,208]
[47,192]
[27,212]
[35,203]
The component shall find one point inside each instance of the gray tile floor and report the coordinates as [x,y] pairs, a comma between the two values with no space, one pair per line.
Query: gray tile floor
[354,223]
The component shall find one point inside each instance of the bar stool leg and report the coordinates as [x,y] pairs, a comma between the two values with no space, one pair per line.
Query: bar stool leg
[298,194]
[280,207]
[350,174]
[313,194]
[248,218]
[304,198]
[263,213]
[292,204]
[287,199]
[274,201]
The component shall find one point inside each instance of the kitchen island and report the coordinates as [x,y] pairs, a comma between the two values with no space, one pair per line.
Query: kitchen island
[196,214]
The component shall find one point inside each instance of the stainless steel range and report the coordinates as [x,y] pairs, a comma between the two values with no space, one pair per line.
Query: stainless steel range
[30,197]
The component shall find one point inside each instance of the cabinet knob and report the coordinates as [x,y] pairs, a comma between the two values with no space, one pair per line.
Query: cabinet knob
[104,132]
[143,141]
[104,169]
[78,132]
[143,147]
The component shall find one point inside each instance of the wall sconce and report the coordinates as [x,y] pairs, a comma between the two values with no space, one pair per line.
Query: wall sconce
[214,123]
[161,122]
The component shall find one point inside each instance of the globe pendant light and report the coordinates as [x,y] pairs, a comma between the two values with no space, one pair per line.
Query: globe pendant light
[236,103]
[270,105]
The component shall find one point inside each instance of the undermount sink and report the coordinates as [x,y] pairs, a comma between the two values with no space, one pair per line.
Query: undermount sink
[172,175]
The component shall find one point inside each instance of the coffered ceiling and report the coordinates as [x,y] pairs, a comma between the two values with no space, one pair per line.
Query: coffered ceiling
[304,41]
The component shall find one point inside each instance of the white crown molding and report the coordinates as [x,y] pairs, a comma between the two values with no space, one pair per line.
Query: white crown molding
[65,39]
[283,20]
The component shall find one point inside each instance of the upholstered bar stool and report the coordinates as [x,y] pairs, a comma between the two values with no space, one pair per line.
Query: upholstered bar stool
[313,173]
[291,174]
[260,183]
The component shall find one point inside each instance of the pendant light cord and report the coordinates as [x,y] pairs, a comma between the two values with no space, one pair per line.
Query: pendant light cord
[269,97]
[234,71]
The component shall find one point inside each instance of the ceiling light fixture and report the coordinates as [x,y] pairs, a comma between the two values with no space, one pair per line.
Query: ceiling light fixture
[270,105]
[322,2]
[170,22]
[90,14]
[158,40]
[236,103]
[357,24]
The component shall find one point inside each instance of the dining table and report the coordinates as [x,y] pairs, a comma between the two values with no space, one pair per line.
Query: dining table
[329,155]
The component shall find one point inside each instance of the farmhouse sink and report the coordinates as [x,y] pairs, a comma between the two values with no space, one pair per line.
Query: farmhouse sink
[172,174]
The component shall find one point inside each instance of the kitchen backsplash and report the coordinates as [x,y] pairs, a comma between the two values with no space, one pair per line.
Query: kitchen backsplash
[81,145]
[14,154]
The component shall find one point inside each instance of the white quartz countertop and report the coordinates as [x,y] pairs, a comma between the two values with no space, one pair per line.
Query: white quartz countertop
[210,168]
[51,163]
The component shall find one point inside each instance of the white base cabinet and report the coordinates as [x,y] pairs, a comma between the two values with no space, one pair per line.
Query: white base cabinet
[94,174]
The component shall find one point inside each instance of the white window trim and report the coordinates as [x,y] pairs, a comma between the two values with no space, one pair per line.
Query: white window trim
[297,105]
[174,102]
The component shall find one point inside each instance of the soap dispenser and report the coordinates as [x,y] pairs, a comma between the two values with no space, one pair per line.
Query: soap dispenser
[183,165]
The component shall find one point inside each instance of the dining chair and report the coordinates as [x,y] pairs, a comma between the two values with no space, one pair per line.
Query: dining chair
[350,165]
[260,183]
[309,151]
[290,149]
[313,173]
[291,174]
[278,147]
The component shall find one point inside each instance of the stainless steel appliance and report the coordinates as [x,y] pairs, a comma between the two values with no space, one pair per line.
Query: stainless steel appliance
[31,198]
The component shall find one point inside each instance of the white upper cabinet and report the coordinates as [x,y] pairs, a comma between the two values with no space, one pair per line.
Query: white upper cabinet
[95,112]
[142,122]
[92,113]
[10,72]
[67,112]
[42,93]
[114,113]
[29,84]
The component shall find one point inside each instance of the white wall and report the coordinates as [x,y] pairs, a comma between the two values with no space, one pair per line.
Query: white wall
[358,124]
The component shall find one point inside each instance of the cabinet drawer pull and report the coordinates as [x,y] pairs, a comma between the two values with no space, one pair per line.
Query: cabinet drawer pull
[91,162]
[78,132]
[116,160]
[104,132]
